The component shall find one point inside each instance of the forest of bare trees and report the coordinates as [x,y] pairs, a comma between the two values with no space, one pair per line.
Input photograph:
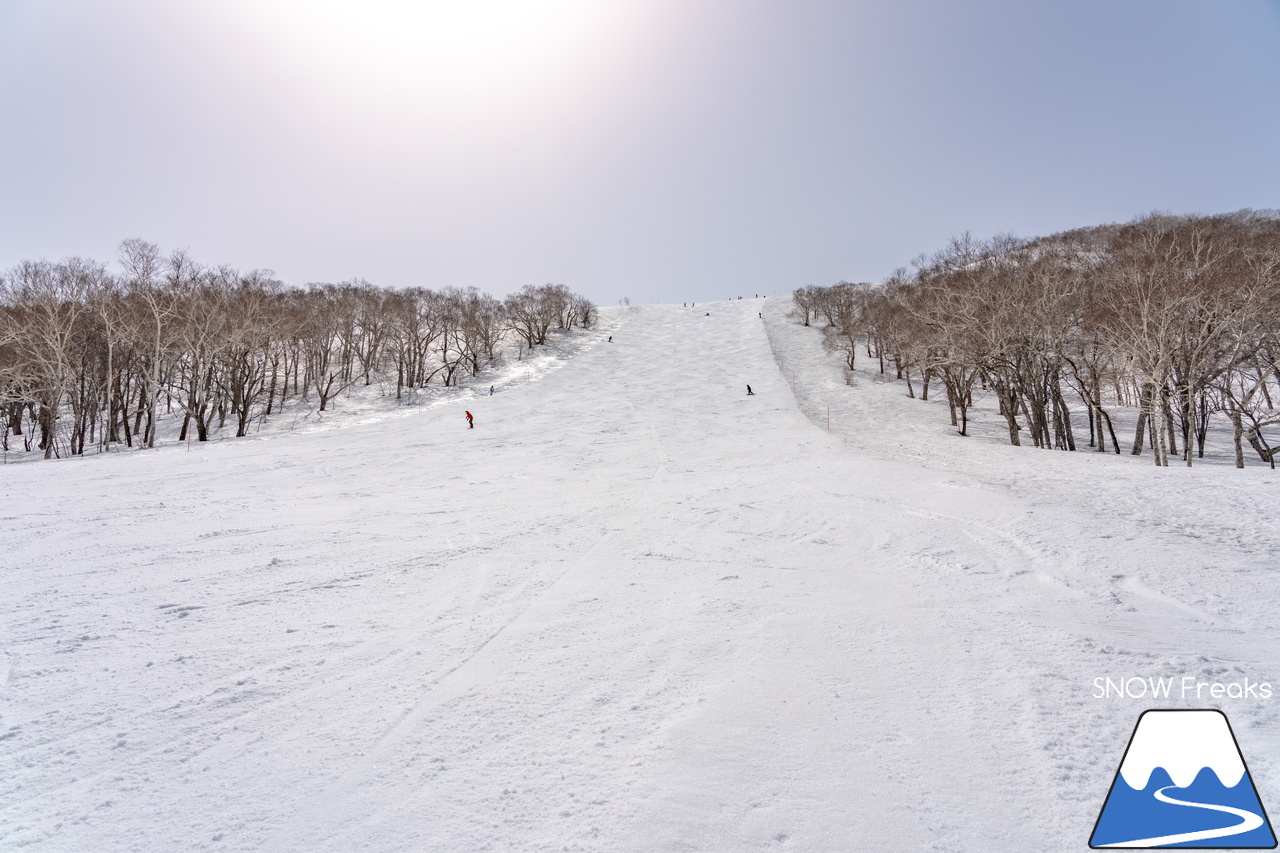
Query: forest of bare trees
[1172,316]
[90,359]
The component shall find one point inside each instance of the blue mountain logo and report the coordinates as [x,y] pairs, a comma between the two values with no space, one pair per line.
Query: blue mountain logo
[1183,783]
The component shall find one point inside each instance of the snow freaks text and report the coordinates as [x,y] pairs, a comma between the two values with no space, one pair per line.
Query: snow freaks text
[1186,687]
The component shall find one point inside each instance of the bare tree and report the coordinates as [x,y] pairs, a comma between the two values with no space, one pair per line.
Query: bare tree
[1171,314]
[88,357]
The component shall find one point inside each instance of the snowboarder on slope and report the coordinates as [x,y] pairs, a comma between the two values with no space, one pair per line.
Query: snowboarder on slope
[750,393]
[471,424]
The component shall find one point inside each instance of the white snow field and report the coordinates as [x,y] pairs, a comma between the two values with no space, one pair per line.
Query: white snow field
[633,610]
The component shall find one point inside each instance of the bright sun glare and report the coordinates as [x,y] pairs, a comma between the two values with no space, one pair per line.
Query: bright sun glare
[471,44]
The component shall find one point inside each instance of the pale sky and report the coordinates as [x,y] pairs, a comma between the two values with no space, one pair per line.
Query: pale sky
[664,150]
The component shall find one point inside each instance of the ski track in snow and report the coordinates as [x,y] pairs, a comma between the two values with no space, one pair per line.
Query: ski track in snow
[633,610]
[1248,822]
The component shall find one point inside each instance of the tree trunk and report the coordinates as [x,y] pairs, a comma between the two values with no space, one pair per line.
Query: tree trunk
[45,418]
[1159,428]
[1202,425]
[1237,432]
[1009,408]
[1166,415]
[1068,434]
[1115,442]
[1140,433]
[1259,443]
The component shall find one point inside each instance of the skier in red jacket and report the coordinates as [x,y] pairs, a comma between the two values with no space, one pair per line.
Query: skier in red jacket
[471,423]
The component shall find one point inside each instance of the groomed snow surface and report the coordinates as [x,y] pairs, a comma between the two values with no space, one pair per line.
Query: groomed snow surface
[633,610]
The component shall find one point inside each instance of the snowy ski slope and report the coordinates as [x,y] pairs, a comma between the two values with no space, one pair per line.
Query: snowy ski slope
[632,610]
